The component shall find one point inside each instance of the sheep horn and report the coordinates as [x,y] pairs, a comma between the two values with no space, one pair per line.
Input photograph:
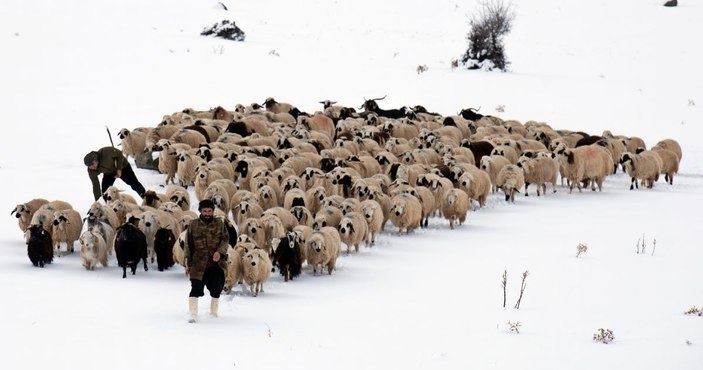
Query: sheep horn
[384,96]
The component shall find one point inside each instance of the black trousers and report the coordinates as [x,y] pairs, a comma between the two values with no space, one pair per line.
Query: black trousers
[213,279]
[128,177]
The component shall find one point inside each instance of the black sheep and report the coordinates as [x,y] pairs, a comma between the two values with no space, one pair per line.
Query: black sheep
[288,256]
[163,246]
[39,246]
[478,148]
[130,247]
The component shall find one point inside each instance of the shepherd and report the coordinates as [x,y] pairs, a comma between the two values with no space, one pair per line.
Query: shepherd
[112,164]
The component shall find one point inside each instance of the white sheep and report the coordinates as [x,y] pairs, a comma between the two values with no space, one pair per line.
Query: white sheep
[645,166]
[322,248]
[114,193]
[45,214]
[235,264]
[302,215]
[178,248]
[94,248]
[492,165]
[66,228]
[455,206]
[133,142]
[252,227]
[373,213]
[476,184]
[670,163]
[178,195]
[257,268]
[168,162]
[246,209]
[539,171]
[25,211]
[510,180]
[327,216]
[670,144]
[405,212]
[187,163]
[294,197]
[585,163]
[353,229]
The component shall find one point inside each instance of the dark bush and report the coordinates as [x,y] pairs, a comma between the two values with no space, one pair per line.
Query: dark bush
[487,29]
[225,29]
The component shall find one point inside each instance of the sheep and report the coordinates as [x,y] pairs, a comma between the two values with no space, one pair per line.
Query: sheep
[66,228]
[539,171]
[322,248]
[314,197]
[168,162]
[670,163]
[267,196]
[221,192]
[273,229]
[113,193]
[427,201]
[585,163]
[615,147]
[246,209]
[130,247]
[288,220]
[455,206]
[253,228]
[203,178]
[191,135]
[151,222]
[670,144]
[327,216]
[257,268]
[39,245]
[302,215]
[45,214]
[153,199]
[632,143]
[506,151]
[492,165]
[405,212]
[477,185]
[186,166]
[510,180]
[179,249]
[273,106]
[178,195]
[645,166]
[93,248]
[289,255]
[294,197]
[373,213]
[133,142]
[349,205]
[163,247]
[235,264]
[25,211]
[353,229]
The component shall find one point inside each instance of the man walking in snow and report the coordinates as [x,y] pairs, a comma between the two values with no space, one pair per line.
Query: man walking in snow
[205,249]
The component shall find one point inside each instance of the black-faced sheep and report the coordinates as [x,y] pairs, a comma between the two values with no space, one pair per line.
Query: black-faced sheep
[25,211]
[539,171]
[510,180]
[492,165]
[327,216]
[353,229]
[257,268]
[455,206]
[133,142]
[476,184]
[645,166]
[405,212]
[39,245]
[45,214]
[322,248]
[66,228]
[130,247]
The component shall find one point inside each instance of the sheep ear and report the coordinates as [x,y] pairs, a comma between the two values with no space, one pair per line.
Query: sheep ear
[570,157]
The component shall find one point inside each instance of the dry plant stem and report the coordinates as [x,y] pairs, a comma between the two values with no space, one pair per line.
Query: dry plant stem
[654,246]
[522,289]
[638,246]
[504,283]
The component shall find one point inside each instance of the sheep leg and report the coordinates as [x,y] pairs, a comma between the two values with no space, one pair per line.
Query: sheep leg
[528,184]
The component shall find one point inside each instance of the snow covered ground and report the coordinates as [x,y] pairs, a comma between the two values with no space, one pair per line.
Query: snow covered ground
[429,300]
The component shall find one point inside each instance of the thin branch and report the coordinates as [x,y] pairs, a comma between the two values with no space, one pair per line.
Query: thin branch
[504,283]
[522,289]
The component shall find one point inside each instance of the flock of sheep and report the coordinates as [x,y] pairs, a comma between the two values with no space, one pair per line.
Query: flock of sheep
[299,186]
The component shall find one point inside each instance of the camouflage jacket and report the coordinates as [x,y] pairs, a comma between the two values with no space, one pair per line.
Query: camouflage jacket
[202,241]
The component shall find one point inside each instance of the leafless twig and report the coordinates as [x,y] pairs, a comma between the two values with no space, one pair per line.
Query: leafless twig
[522,289]
[504,283]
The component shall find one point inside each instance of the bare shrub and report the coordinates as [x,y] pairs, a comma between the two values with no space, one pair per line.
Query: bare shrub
[487,28]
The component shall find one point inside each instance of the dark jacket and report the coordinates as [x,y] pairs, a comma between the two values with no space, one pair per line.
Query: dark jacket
[202,241]
[109,161]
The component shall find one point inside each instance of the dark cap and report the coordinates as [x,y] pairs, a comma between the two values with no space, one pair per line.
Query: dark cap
[90,158]
[206,203]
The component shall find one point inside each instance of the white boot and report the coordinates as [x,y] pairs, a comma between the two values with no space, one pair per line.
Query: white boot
[193,309]
[214,304]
